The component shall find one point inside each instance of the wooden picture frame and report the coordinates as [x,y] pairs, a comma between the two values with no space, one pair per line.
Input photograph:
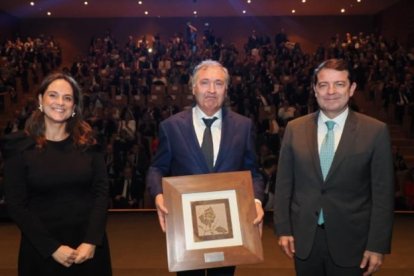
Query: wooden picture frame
[210,221]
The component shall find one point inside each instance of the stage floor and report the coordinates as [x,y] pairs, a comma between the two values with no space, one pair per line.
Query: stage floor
[138,248]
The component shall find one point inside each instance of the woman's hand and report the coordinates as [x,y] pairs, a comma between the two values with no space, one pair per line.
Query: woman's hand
[65,255]
[85,251]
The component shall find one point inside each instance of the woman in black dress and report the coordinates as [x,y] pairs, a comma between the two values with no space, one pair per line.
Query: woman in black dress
[56,187]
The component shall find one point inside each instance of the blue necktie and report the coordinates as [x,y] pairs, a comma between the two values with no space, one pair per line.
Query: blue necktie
[326,156]
[207,144]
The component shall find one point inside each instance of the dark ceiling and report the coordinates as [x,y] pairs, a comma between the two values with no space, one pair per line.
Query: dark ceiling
[187,8]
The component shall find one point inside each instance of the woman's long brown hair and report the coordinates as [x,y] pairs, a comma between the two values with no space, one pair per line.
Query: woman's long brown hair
[80,131]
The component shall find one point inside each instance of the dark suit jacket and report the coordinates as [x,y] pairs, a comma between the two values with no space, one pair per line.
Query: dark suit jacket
[179,152]
[134,189]
[356,197]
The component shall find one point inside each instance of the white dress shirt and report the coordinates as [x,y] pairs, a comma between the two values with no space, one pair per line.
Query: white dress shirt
[338,128]
[199,127]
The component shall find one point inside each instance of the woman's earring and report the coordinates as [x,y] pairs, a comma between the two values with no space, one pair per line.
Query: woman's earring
[40,107]
[73,114]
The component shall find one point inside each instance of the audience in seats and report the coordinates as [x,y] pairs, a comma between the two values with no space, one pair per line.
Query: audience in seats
[270,81]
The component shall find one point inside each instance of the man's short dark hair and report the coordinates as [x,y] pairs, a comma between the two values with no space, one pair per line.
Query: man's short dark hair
[335,64]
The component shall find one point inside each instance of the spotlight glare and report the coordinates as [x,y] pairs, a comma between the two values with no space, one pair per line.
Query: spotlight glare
[303,1]
[146,12]
[32,3]
[249,1]
[342,10]
[49,13]
[139,2]
[293,11]
[244,11]
[195,12]
[85,3]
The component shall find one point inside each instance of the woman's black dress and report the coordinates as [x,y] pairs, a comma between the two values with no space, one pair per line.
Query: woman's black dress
[57,196]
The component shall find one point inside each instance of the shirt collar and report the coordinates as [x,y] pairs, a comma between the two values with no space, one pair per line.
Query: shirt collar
[200,115]
[339,120]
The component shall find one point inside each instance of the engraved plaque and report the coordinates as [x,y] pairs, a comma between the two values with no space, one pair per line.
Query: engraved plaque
[214,257]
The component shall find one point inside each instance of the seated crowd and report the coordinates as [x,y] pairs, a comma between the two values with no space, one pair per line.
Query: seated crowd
[129,88]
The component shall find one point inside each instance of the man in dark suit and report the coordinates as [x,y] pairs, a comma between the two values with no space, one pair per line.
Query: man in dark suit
[335,219]
[126,190]
[181,142]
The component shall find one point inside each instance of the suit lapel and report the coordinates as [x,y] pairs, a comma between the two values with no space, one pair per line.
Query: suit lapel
[346,143]
[312,138]
[227,131]
[192,142]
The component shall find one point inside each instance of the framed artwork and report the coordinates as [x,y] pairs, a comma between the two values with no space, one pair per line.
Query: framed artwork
[210,221]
